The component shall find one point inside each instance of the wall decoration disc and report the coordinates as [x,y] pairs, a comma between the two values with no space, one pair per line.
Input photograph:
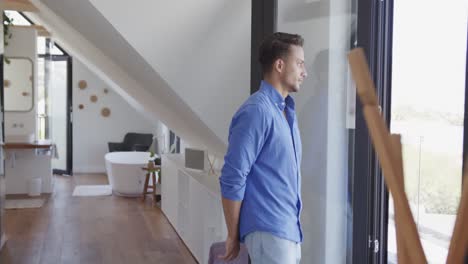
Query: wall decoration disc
[82,84]
[105,112]
[93,98]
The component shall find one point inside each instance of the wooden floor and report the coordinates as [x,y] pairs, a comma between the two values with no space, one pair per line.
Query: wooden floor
[87,230]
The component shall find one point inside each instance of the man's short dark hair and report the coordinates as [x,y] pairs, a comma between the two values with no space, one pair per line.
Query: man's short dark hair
[276,46]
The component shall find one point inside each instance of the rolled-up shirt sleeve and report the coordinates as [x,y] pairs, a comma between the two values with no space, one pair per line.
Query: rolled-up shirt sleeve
[247,134]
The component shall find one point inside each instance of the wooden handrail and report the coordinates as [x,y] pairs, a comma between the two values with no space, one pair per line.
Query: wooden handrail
[385,152]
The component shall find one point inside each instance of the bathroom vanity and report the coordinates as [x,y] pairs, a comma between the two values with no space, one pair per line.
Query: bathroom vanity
[26,161]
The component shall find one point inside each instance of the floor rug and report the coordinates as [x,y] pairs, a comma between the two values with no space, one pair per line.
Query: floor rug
[92,190]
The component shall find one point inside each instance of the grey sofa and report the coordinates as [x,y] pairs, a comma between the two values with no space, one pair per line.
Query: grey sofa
[132,142]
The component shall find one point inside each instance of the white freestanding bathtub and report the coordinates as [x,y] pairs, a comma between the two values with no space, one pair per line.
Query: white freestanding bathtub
[124,171]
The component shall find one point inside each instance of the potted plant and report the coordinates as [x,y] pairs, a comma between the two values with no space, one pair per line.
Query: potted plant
[151,161]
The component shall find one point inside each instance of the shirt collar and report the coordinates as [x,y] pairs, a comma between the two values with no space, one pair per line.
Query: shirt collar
[276,97]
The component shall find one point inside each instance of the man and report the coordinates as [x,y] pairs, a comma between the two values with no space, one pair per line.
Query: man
[260,181]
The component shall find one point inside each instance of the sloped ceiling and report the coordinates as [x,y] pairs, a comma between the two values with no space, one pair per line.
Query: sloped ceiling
[190,71]
[201,48]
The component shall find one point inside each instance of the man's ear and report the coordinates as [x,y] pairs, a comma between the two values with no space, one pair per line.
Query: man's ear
[279,65]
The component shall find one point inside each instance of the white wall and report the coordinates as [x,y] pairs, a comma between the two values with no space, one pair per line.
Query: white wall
[321,108]
[204,55]
[22,44]
[91,131]
[122,68]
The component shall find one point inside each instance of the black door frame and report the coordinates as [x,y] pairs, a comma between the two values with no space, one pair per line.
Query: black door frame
[264,23]
[365,180]
[69,119]
[465,119]
[70,115]
[368,202]
[375,35]
[2,110]
[465,123]
[2,140]
[384,72]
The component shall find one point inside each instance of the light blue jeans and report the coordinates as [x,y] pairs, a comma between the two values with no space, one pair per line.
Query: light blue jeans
[265,248]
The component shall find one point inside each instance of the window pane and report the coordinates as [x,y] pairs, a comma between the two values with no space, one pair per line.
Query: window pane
[56,51]
[428,88]
[18,19]
[325,109]
[58,112]
[41,48]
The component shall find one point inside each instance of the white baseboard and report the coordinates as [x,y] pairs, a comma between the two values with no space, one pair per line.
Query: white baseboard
[90,169]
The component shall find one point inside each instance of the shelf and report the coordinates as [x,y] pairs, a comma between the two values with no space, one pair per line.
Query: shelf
[41,144]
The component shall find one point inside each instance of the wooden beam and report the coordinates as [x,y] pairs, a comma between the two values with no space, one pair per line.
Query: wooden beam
[37,27]
[402,249]
[382,143]
[44,33]
[18,5]
[459,243]
[41,31]
[362,77]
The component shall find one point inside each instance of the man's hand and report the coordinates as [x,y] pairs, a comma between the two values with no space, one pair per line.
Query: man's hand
[231,214]
[232,249]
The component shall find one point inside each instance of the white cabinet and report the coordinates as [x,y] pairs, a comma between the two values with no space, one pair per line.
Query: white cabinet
[192,203]
[169,193]
[183,207]
[198,200]
[22,165]
[215,228]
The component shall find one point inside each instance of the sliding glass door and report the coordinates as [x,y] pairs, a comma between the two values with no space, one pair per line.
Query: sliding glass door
[325,107]
[427,109]
[417,53]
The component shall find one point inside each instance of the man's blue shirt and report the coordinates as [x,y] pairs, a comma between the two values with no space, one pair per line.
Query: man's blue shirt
[262,165]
